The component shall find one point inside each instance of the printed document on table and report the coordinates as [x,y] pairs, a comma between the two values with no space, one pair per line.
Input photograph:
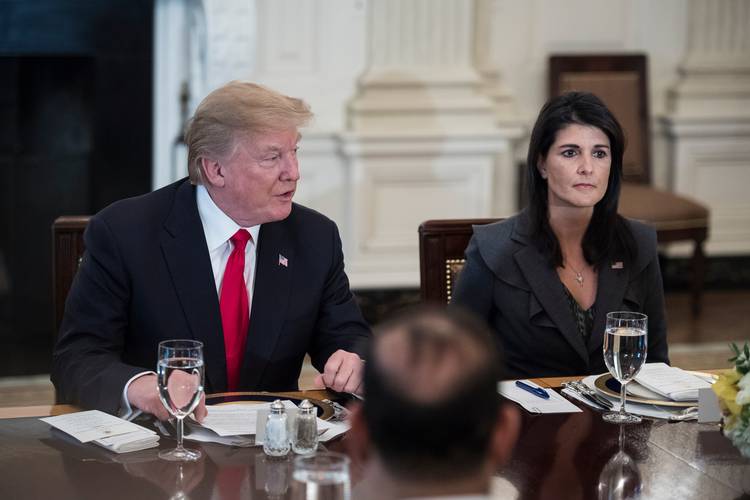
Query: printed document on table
[534,404]
[236,419]
[90,425]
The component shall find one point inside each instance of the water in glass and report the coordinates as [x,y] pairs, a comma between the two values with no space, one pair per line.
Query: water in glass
[180,376]
[322,476]
[625,349]
[180,392]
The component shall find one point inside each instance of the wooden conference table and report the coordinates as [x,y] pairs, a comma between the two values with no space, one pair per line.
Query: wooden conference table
[557,456]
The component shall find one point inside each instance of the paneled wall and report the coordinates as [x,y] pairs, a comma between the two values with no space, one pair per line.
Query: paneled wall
[423,107]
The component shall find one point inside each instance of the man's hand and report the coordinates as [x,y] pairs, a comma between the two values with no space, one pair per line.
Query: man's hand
[343,373]
[143,394]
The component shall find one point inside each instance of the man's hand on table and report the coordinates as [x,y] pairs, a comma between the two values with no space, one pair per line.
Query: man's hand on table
[143,394]
[343,372]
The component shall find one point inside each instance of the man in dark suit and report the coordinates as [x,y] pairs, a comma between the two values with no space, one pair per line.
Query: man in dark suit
[225,258]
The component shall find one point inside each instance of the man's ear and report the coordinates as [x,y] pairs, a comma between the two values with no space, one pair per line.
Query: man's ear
[358,439]
[505,434]
[211,171]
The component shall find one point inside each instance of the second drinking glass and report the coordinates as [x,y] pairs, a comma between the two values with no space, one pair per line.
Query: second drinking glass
[180,377]
[625,346]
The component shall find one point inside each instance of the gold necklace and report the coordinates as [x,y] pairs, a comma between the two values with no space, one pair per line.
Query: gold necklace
[579,275]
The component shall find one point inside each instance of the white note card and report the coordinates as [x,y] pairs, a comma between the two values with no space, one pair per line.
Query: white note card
[90,425]
[533,403]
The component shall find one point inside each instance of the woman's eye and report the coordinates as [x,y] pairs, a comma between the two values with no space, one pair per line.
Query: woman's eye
[600,154]
[569,153]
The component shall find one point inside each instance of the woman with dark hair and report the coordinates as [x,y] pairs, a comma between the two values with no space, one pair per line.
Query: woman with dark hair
[546,278]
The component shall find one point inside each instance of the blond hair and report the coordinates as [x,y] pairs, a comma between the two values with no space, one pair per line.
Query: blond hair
[238,107]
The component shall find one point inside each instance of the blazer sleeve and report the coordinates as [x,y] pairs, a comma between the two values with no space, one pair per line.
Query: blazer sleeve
[340,324]
[87,367]
[475,283]
[654,308]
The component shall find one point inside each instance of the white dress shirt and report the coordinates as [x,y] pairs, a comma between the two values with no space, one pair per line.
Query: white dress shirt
[218,227]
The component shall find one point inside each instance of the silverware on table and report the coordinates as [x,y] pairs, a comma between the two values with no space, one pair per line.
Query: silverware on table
[587,393]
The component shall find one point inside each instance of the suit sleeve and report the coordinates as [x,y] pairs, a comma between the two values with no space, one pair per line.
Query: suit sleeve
[475,284]
[87,366]
[654,308]
[340,324]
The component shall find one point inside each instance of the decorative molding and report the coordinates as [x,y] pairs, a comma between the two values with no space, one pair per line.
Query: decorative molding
[421,74]
[289,30]
[715,72]
[711,161]
[398,182]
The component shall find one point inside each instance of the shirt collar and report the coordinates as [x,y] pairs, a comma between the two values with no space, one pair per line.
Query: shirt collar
[218,226]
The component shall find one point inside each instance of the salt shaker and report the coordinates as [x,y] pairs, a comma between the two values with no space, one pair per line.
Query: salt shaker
[305,429]
[276,442]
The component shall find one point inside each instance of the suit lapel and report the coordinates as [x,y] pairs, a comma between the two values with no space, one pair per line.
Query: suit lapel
[609,297]
[271,295]
[186,254]
[547,288]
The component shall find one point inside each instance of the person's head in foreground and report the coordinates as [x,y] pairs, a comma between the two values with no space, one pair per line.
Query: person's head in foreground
[432,421]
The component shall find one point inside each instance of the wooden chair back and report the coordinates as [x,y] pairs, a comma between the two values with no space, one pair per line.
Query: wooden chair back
[441,255]
[67,251]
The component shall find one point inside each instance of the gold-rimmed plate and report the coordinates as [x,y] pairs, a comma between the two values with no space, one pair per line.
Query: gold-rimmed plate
[325,410]
[606,384]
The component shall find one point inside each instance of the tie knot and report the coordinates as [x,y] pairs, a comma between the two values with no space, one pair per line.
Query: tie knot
[240,239]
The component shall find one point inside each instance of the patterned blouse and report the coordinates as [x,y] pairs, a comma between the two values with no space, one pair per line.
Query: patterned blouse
[584,318]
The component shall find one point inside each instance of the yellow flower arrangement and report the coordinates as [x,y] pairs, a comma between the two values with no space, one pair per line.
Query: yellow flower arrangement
[733,391]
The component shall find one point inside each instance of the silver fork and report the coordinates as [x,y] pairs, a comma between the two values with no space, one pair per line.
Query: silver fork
[689,413]
[589,394]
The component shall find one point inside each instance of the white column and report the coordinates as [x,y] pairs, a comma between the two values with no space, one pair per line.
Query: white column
[489,37]
[708,124]
[420,74]
[424,140]
[715,74]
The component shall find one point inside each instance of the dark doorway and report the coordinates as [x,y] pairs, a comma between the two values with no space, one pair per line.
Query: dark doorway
[75,135]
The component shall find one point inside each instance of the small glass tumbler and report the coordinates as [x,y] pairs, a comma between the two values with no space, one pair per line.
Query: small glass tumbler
[321,475]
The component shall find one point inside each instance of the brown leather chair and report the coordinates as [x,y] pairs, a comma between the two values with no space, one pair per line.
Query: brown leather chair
[441,255]
[67,251]
[621,82]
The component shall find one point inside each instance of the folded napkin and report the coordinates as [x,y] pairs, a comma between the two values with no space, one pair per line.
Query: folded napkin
[645,410]
[108,431]
[132,441]
[671,382]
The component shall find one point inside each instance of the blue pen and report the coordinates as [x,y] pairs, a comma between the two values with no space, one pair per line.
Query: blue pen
[537,391]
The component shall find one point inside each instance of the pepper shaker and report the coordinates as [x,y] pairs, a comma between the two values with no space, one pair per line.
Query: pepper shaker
[305,429]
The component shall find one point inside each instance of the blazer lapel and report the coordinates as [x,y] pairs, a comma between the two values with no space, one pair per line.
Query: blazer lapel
[186,254]
[274,266]
[547,288]
[609,297]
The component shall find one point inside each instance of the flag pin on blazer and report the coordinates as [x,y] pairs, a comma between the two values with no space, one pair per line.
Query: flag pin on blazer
[617,265]
[283,261]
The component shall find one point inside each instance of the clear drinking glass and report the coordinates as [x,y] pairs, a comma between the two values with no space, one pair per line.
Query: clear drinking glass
[620,479]
[625,343]
[180,378]
[322,476]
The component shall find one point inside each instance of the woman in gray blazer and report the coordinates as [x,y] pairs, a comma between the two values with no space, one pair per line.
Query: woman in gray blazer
[546,278]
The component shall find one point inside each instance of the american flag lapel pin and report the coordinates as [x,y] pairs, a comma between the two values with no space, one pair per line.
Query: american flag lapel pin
[617,265]
[283,261]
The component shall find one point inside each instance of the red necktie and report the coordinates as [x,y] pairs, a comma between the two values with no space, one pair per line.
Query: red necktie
[235,317]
